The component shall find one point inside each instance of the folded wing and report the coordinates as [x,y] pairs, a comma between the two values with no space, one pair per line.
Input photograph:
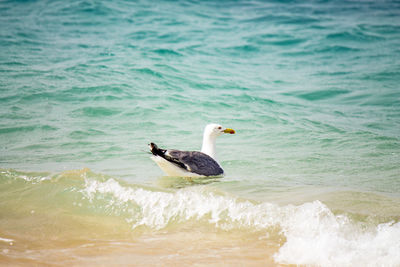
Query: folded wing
[191,161]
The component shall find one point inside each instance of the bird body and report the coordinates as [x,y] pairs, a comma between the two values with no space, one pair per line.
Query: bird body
[192,163]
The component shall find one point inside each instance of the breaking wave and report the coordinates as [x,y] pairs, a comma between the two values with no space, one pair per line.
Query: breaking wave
[314,234]
[309,234]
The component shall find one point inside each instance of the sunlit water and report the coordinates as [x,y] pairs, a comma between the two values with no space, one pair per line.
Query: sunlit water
[312,173]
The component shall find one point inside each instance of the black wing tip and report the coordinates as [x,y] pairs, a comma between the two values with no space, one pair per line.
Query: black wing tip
[153,148]
[156,151]
[152,145]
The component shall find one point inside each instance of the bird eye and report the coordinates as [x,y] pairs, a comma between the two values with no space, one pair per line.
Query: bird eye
[219,127]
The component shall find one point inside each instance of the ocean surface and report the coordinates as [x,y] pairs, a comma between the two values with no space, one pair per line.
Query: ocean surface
[312,175]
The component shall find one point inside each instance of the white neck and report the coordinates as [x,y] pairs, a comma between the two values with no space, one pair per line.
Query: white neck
[209,145]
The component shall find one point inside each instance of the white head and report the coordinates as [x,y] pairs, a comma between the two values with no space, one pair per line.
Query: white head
[211,132]
[215,130]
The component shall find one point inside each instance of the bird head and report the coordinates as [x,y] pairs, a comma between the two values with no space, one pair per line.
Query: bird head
[216,130]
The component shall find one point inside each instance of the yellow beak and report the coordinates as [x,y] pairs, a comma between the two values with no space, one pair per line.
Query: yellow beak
[230,131]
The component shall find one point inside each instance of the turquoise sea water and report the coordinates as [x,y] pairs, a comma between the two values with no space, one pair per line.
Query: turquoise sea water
[311,88]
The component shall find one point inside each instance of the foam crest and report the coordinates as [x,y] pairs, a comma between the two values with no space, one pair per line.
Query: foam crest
[314,235]
[158,209]
[31,177]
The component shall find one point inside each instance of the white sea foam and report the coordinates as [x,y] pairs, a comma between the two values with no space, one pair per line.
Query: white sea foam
[34,179]
[314,235]
[6,240]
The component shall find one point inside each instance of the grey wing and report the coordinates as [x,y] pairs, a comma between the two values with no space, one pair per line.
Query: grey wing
[196,162]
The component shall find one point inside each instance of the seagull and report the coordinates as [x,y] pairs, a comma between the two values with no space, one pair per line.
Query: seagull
[192,163]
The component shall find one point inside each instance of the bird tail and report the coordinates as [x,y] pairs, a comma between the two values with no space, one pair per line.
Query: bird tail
[156,151]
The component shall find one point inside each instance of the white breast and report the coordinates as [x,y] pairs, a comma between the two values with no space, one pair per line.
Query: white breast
[171,169]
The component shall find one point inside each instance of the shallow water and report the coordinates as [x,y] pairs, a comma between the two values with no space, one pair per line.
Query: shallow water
[312,173]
